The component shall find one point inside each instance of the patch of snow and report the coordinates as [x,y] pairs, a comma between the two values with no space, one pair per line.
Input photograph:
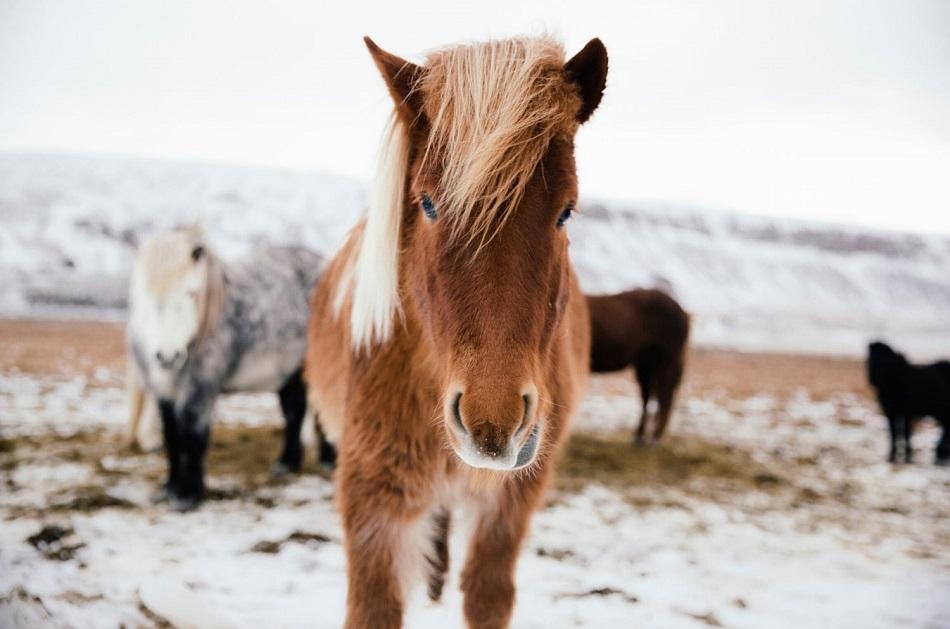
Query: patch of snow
[593,558]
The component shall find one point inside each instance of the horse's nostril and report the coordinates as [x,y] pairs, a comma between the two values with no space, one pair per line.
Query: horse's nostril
[457,413]
[528,399]
[167,361]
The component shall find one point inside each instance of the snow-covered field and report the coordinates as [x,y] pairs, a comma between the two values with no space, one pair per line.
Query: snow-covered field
[768,506]
[68,226]
[763,511]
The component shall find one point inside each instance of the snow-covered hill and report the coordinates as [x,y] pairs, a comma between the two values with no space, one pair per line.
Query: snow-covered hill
[68,226]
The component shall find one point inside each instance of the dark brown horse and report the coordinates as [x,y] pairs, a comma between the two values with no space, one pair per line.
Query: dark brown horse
[455,321]
[647,330]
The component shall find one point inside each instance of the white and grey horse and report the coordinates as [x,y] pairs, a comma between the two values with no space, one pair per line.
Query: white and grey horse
[199,327]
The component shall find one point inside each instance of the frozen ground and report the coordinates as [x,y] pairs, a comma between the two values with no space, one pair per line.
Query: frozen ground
[761,511]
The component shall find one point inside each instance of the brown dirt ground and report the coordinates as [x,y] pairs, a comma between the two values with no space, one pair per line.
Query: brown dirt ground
[70,347]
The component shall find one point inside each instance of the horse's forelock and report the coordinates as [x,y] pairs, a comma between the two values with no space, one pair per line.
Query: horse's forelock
[166,259]
[493,109]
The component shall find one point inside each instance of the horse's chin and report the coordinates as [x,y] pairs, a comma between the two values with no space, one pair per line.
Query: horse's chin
[162,382]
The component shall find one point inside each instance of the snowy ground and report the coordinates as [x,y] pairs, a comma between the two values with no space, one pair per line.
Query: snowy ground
[760,511]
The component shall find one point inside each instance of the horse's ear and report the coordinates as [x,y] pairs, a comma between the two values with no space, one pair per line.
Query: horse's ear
[588,70]
[402,78]
[197,252]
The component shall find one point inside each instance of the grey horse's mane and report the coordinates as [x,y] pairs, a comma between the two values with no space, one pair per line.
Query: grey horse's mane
[214,297]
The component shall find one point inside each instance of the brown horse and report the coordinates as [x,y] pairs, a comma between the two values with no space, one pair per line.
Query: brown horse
[647,330]
[456,322]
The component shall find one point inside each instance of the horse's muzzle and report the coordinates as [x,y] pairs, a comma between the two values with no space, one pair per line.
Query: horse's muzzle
[487,445]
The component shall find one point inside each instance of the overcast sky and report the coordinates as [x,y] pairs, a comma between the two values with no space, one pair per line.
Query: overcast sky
[832,110]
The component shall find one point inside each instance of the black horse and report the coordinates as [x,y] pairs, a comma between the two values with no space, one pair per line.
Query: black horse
[907,393]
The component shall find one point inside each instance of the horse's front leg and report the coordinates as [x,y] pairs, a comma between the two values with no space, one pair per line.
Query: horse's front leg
[170,430]
[892,427]
[385,501]
[194,431]
[488,577]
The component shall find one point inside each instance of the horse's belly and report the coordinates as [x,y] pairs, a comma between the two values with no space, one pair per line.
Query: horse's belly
[263,371]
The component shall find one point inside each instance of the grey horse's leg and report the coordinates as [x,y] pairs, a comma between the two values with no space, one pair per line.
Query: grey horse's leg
[326,452]
[170,430]
[293,404]
[195,432]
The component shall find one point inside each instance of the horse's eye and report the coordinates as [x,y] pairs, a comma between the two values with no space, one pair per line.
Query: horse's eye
[565,215]
[428,207]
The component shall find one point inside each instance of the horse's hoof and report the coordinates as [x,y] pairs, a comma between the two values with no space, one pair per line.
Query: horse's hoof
[183,504]
[281,469]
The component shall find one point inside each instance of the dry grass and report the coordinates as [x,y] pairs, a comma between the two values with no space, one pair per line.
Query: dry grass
[683,462]
[238,465]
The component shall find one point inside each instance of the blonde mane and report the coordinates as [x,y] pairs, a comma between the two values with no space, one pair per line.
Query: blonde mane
[493,109]
[163,261]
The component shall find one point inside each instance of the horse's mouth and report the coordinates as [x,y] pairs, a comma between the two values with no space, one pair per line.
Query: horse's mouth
[514,458]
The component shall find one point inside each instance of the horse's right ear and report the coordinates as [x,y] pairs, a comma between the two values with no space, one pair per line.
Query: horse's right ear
[402,78]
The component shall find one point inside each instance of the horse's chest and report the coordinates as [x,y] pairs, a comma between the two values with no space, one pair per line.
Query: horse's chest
[263,371]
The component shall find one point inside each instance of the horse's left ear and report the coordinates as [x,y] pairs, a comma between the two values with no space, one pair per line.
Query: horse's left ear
[588,70]
[401,78]
[197,252]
